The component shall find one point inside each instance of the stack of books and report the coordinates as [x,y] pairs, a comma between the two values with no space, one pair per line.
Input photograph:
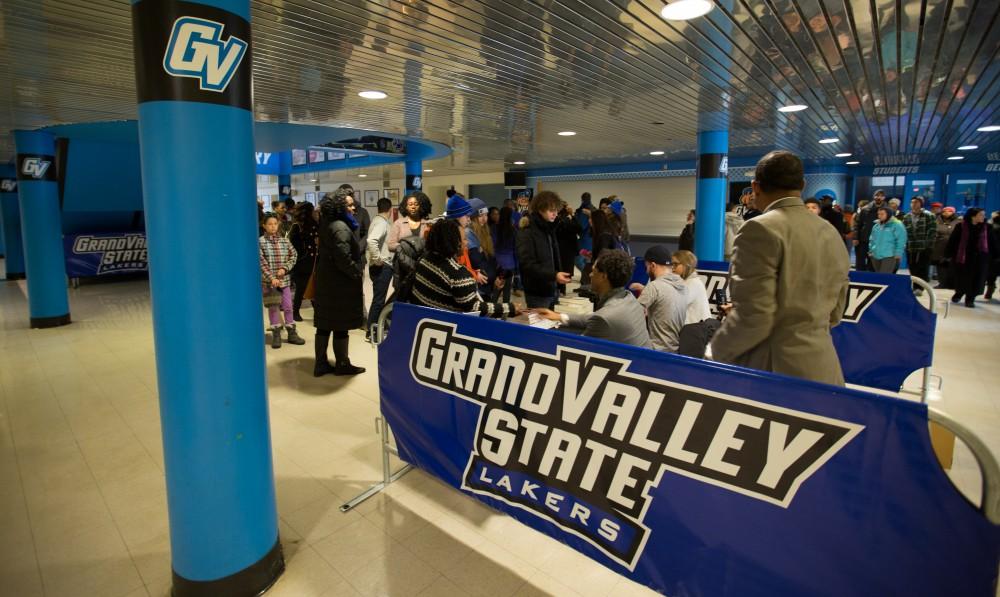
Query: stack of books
[574,305]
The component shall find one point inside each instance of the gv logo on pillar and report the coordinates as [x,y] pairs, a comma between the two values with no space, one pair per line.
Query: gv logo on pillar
[8,185]
[196,50]
[35,167]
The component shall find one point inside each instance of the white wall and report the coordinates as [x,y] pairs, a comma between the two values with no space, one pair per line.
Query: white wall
[435,186]
[656,206]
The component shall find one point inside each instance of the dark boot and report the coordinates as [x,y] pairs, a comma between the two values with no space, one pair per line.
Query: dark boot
[295,315]
[344,366]
[275,336]
[970,302]
[322,366]
[293,336]
[989,292]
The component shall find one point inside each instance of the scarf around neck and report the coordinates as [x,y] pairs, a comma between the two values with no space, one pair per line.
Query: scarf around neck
[963,244]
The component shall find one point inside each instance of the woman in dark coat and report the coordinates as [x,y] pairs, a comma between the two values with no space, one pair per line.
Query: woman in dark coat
[568,232]
[970,248]
[303,236]
[339,303]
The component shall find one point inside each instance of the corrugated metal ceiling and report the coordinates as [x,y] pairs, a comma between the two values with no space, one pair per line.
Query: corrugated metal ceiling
[498,79]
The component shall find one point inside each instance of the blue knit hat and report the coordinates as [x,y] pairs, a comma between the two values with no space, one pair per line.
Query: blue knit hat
[478,206]
[617,207]
[457,207]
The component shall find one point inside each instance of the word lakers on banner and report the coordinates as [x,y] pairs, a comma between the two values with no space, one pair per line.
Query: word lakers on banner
[690,477]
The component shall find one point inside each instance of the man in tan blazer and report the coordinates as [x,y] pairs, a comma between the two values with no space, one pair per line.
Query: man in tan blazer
[788,282]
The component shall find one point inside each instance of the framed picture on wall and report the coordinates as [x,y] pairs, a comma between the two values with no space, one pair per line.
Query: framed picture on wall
[393,195]
[371,198]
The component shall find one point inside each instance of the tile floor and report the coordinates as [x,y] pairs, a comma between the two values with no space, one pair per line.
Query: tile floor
[82,502]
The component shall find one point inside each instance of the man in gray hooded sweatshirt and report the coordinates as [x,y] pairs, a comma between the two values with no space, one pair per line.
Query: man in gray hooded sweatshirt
[664,298]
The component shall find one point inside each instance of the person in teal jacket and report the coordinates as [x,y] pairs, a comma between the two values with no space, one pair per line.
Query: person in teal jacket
[887,242]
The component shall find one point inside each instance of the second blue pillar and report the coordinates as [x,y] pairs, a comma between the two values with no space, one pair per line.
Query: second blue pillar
[10,219]
[710,195]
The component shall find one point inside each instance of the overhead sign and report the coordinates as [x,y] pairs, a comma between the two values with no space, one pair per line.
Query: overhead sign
[105,254]
[687,476]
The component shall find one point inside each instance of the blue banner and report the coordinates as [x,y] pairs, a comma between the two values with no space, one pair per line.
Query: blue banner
[691,477]
[105,254]
[885,334]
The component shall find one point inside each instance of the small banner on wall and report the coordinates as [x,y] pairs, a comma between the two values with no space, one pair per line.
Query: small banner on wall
[105,254]
[691,477]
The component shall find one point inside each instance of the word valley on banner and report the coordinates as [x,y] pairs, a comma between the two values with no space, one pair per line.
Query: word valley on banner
[577,439]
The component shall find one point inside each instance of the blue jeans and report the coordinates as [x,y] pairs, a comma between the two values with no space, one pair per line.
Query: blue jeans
[381,278]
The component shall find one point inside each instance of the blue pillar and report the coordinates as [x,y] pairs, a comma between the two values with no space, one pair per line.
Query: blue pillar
[414,176]
[41,229]
[710,197]
[10,216]
[193,82]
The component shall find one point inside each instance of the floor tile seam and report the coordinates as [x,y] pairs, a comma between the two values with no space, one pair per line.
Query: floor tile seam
[24,500]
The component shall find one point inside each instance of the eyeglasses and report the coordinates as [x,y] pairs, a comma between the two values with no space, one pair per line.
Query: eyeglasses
[675,263]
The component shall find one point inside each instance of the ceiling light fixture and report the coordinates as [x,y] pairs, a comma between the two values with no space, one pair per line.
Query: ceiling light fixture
[956,157]
[852,163]
[657,152]
[989,129]
[566,133]
[843,155]
[373,95]
[313,180]
[968,147]
[792,108]
[684,10]
[518,163]
[428,170]
[362,176]
[830,140]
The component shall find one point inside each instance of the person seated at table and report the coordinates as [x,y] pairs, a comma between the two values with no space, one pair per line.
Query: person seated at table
[665,300]
[442,282]
[619,316]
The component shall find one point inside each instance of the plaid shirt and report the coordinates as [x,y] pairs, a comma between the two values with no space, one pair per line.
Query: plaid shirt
[276,252]
[920,234]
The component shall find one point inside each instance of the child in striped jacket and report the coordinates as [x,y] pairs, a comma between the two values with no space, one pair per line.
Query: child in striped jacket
[277,258]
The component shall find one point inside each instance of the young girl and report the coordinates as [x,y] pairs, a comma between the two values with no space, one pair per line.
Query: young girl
[277,257]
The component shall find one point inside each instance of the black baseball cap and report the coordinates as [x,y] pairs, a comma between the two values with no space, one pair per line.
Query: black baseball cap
[657,254]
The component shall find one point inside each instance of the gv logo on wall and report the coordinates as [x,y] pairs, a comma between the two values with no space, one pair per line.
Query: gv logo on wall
[35,167]
[577,439]
[196,50]
[8,185]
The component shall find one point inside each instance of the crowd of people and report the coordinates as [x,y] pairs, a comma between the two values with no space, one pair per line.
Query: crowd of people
[476,259]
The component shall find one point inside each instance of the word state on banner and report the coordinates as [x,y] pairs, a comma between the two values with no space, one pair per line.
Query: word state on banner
[577,439]
[196,50]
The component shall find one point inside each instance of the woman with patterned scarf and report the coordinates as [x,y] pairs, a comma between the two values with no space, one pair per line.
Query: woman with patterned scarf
[971,247]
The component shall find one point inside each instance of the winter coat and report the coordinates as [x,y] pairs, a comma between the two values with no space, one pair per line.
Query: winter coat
[970,276]
[603,241]
[835,218]
[567,236]
[538,257]
[863,222]
[339,273]
[887,240]
[944,230]
[686,241]
[364,220]
[303,238]
[921,230]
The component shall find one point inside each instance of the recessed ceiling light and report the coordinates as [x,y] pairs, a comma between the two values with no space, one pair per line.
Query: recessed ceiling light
[852,163]
[830,140]
[428,170]
[313,180]
[518,163]
[989,129]
[683,10]
[956,157]
[792,108]
[362,176]
[968,147]
[657,152]
[373,95]
[843,155]
[566,133]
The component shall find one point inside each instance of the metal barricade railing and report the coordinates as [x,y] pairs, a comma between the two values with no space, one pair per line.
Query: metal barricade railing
[988,468]
[925,387]
[379,335]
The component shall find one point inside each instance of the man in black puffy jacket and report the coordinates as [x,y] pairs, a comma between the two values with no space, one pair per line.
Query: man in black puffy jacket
[538,253]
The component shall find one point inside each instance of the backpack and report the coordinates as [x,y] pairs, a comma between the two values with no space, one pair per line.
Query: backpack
[410,250]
